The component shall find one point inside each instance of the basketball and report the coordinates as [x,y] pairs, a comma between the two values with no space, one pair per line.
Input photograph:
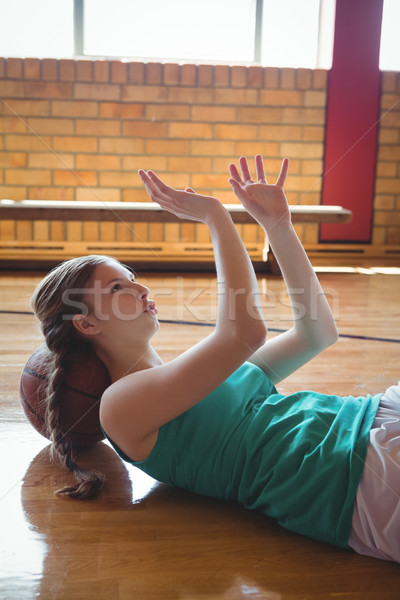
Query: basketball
[79,414]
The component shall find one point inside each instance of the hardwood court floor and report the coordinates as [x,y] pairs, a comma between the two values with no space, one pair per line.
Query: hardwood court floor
[148,541]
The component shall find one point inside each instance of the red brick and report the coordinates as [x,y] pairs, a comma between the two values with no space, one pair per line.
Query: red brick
[84,70]
[279,133]
[168,147]
[27,107]
[27,142]
[99,194]
[120,145]
[119,72]
[188,75]
[32,68]
[51,193]
[2,66]
[310,167]
[315,98]
[49,69]
[271,77]
[250,114]
[387,186]
[118,179]
[239,76]
[303,116]
[167,112]
[288,79]
[97,127]
[210,148]
[320,78]
[136,72]
[281,97]
[14,68]
[222,76]
[75,178]
[303,79]
[67,70]
[190,95]
[255,77]
[236,132]
[171,74]
[13,159]
[12,89]
[97,91]
[51,126]
[257,147]
[386,169]
[101,71]
[41,89]
[205,75]
[189,163]
[153,73]
[133,163]
[200,181]
[214,113]
[28,177]
[13,193]
[389,101]
[12,125]
[144,93]
[74,108]
[302,150]
[236,96]
[75,144]
[51,160]
[313,134]
[144,129]
[124,111]
[98,161]
[190,130]
[389,81]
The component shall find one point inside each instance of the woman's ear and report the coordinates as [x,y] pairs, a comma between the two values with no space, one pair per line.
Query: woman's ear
[83,325]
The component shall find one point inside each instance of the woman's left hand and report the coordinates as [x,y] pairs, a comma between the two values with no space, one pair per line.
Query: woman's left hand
[185,204]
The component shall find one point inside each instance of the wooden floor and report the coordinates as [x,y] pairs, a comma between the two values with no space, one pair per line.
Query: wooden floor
[146,541]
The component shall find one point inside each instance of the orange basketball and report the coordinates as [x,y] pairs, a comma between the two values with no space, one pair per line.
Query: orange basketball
[85,383]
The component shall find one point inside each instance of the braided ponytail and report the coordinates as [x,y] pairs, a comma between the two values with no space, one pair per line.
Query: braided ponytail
[65,346]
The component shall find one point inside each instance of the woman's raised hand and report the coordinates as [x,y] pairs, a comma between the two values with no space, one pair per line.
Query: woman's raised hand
[265,202]
[185,204]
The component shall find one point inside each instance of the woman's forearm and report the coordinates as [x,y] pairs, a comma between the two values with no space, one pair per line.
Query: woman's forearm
[312,315]
[238,293]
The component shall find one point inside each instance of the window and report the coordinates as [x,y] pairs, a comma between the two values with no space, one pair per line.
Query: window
[206,30]
[284,33]
[298,33]
[389,59]
[41,28]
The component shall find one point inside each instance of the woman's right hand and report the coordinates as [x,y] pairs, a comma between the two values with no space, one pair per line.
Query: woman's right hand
[185,204]
[265,202]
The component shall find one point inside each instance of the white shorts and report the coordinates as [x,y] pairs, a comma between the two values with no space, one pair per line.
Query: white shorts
[376,518]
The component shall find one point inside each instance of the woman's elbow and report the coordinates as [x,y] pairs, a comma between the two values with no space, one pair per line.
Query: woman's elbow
[256,334]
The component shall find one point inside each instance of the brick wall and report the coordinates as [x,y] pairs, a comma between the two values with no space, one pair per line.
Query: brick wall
[386,222]
[79,130]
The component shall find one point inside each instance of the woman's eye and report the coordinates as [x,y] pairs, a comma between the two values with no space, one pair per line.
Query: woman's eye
[116,287]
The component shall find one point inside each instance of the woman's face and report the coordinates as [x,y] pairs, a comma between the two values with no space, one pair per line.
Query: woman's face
[118,304]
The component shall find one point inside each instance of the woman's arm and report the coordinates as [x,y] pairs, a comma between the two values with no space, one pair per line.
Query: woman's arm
[314,327]
[134,407]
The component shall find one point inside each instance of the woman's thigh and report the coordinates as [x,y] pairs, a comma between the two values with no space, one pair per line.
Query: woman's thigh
[376,519]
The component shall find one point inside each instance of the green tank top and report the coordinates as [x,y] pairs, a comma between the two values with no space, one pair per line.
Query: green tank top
[297,458]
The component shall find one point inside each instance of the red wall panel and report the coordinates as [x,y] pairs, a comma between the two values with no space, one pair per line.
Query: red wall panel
[352,114]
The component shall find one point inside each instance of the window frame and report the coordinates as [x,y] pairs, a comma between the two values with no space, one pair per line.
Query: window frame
[78,20]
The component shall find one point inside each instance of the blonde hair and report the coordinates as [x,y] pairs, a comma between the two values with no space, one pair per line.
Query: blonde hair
[58,295]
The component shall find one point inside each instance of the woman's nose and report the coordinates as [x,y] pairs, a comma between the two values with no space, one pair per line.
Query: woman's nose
[141,290]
